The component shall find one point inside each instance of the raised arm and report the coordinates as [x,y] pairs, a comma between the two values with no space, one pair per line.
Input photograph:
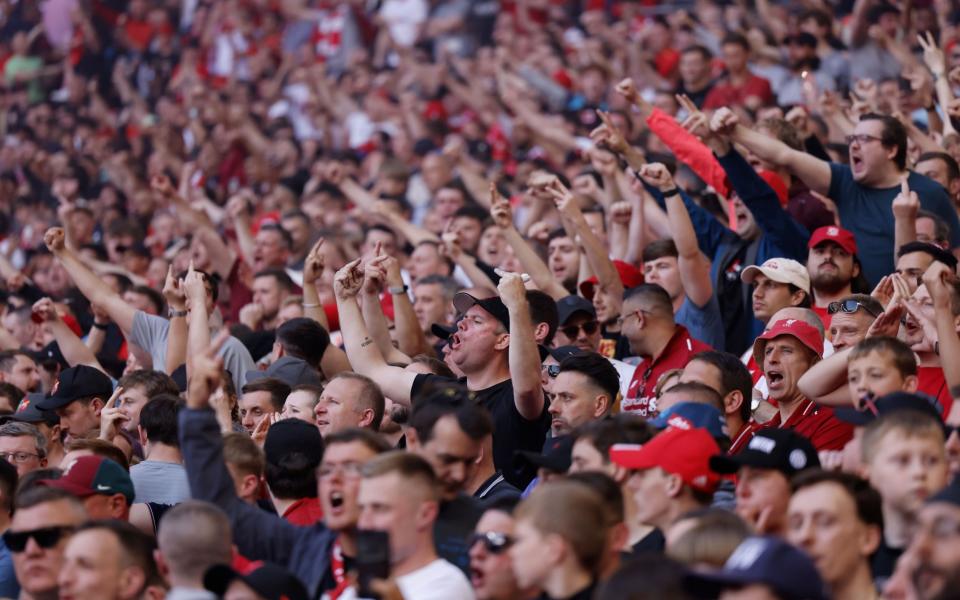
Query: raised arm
[74,351]
[939,280]
[374,275]
[905,208]
[177,334]
[365,357]
[238,207]
[198,333]
[524,358]
[89,284]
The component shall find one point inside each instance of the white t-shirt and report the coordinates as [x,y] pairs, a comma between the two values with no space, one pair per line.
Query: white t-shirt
[439,580]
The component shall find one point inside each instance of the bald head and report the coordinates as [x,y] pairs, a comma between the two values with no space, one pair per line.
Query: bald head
[193,536]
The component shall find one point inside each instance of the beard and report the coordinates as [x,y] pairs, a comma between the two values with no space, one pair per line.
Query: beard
[831,283]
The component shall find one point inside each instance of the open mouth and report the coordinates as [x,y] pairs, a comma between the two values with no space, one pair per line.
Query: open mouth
[336,499]
[774,378]
[455,341]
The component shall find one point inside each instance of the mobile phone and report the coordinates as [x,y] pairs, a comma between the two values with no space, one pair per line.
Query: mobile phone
[373,560]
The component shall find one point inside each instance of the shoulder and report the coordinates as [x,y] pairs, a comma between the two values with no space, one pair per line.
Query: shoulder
[439,579]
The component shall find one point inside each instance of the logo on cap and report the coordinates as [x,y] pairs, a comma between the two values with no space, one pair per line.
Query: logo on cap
[833,231]
[797,458]
[790,322]
[679,422]
[746,554]
[762,444]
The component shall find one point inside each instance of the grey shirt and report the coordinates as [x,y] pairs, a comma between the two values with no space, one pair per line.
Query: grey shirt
[160,482]
[150,333]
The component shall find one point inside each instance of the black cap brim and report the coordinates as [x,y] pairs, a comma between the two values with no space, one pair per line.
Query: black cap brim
[724,464]
[524,458]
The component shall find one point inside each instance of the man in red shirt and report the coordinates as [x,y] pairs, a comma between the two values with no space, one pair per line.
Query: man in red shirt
[785,352]
[833,266]
[739,87]
[647,323]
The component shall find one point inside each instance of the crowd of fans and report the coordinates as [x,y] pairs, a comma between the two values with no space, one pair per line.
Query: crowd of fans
[454,299]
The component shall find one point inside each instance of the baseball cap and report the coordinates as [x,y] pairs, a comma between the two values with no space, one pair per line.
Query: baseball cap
[89,475]
[682,452]
[268,580]
[27,411]
[766,560]
[837,235]
[442,331]
[571,305]
[630,277]
[290,436]
[77,382]
[554,457]
[689,415]
[892,402]
[561,352]
[783,450]
[292,371]
[806,334]
[781,270]
[463,301]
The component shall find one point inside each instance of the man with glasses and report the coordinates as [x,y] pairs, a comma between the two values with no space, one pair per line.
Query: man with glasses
[833,267]
[43,522]
[851,318]
[23,446]
[491,571]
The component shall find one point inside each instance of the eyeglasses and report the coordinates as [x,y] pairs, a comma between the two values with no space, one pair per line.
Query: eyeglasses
[623,318]
[848,306]
[589,328]
[17,457]
[494,542]
[553,371]
[45,537]
[862,138]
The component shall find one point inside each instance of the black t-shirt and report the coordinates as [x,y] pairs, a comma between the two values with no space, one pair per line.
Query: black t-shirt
[511,431]
[652,542]
[455,522]
[495,489]
[584,594]
[883,562]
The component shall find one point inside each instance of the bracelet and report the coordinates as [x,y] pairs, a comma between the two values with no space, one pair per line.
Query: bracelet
[177,313]
[673,192]
[311,305]
[101,325]
[396,290]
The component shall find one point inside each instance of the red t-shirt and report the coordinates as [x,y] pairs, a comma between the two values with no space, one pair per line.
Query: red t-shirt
[744,436]
[726,94]
[825,316]
[304,512]
[933,384]
[640,397]
[817,424]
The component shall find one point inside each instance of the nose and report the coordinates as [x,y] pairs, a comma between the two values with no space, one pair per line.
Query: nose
[457,472]
[554,409]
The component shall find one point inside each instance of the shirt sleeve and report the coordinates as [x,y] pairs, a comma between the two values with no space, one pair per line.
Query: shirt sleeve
[689,150]
[150,333]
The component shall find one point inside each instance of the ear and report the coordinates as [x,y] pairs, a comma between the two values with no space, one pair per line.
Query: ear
[503,342]
[142,436]
[797,297]
[641,319]
[911,383]
[601,404]
[413,441]
[732,402]
[249,485]
[277,351]
[619,474]
[118,506]
[43,463]
[674,485]
[366,418]
[162,565]
[856,269]
[427,514]
[540,332]
[618,536]
[132,580]
[96,405]
[554,547]
[870,539]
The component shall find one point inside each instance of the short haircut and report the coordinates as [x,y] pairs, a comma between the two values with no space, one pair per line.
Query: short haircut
[283,233]
[908,423]
[596,368]
[435,365]
[155,297]
[102,448]
[371,439]
[153,382]
[784,131]
[701,393]
[953,168]
[712,538]
[136,547]
[243,453]
[305,339]
[28,497]
[369,397]
[159,418]
[608,490]
[574,512]
[941,231]
[210,280]
[448,285]
[645,576]
[8,359]
[893,134]
[280,276]
[868,500]
[472,212]
[698,49]
[659,249]
[868,301]
[12,392]
[451,400]
[411,468]
[20,429]
[653,298]
[736,38]
[193,536]
[277,389]
[622,428]
[900,354]
[313,390]
[292,476]
[733,376]
[543,309]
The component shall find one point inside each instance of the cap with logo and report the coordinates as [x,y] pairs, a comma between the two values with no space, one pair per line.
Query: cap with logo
[571,305]
[270,581]
[688,415]
[805,333]
[892,402]
[837,235]
[766,560]
[781,270]
[682,452]
[554,457]
[27,412]
[75,383]
[782,450]
[463,302]
[630,277]
[292,371]
[90,475]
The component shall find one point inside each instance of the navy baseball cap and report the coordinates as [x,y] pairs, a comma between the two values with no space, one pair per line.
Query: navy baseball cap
[75,383]
[892,402]
[688,415]
[27,412]
[571,305]
[766,560]
[268,580]
[783,450]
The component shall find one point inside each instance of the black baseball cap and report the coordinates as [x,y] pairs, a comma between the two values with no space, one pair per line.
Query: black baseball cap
[269,580]
[949,494]
[554,457]
[561,352]
[783,450]
[463,301]
[442,331]
[290,436]
[571,305]
[892,402]
[75,383]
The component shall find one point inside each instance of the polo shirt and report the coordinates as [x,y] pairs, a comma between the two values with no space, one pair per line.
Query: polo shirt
[304,512]
[640,398]
[932,383]
[817,424]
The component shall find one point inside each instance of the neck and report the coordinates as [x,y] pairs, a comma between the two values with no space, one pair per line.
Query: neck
[282,504]
[348,542]
[179,581]
[891,177]
[493,373]
[734,424]
[567,581]
[484,472]
[678,302]
[787,406]
[393,438]
[696,86]
[822,298]
[858,586]
[268,324]
[163,453]
[657,342]
[423,556]
[4,521]
[738,77]
[896,527]
[928,359]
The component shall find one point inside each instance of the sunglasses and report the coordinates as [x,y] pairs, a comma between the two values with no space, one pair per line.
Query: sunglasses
[45,537]
[553,371]
[848,306]
[589,328]
[493,542]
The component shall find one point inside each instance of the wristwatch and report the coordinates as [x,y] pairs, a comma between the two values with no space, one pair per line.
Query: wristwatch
[176,313]
[396,290]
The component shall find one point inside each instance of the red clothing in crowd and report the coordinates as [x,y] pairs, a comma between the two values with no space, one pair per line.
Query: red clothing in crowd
[680,349]
[933,384]
[816,423]
[304,512]
[743,437]
[725,93]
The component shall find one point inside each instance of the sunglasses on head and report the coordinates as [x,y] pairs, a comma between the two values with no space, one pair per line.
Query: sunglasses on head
[589,328]
[493,542]
[45,537]
[848,306]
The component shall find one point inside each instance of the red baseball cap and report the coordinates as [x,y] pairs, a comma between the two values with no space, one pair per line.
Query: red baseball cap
[630,277]
[807,334]
[837,235]
[682,452]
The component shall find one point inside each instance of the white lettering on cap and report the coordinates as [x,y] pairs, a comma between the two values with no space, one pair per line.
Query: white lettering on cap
[762,444]
[679,422]
[833,231]
[746,554]
[797,458]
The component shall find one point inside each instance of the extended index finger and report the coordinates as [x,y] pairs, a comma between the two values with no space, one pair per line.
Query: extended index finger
[904,187]
[687,103]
